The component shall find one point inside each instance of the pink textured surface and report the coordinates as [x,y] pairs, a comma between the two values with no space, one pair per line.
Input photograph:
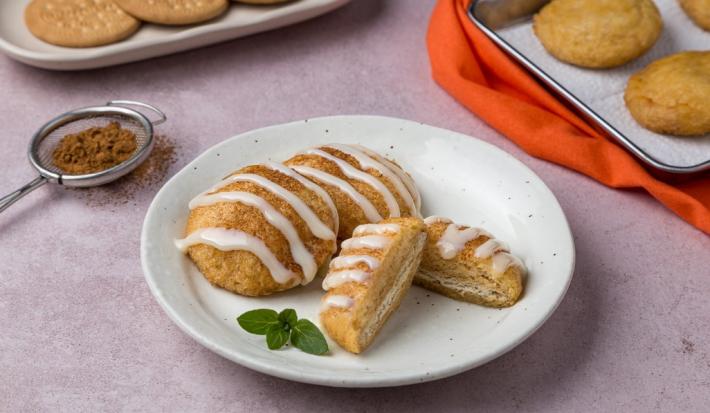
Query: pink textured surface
[80,331]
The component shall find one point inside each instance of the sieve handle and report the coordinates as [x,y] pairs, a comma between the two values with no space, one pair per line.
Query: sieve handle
[162,118]
[10,199]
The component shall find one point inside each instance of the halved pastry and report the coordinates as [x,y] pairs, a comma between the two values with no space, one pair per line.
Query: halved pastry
[263,229]
[364,186]
[468,264]
[367,281]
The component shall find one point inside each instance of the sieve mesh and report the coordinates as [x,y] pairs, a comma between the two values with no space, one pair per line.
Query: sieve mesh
[50,141]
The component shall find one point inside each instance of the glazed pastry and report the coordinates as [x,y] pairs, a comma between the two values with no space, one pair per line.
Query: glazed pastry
[468,264]
[261,230]
[365,187]
[367,281]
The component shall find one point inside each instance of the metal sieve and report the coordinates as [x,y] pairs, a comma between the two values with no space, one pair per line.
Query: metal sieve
[48,136]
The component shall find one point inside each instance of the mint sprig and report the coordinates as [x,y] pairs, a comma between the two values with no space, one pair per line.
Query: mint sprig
[259,321]
[306,336]
[276,337]
[280,327]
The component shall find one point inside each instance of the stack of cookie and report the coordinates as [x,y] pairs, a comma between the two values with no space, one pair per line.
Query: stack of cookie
[89,23]
[671,95]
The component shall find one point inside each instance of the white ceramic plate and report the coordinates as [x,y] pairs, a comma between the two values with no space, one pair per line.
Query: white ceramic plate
[430,336]
[150,40]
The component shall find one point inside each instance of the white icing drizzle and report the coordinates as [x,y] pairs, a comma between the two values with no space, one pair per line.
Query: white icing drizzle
[275,166]
[317,227]
[300,253]
[345,261]
[370,211]
[378,229]
[354,173]
[436,220]
[454,240]
[502,261]
[368,241]
[340,273]
[339,301]
[365,236]
[231,239]
[491,247]
[408,181]
[366,161]
[337,278]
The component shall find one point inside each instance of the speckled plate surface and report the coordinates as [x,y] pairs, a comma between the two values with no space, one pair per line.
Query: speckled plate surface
[430,336]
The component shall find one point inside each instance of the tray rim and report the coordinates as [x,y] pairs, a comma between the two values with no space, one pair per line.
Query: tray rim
[589,113]
[191,37]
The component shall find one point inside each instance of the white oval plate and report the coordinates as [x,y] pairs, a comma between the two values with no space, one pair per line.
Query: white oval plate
[151,40]
[430,336]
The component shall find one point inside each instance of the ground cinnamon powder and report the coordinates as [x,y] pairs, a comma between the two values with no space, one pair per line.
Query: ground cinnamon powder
[139,185]
[94,149]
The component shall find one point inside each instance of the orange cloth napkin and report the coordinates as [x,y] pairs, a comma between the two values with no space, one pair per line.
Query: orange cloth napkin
[489,83]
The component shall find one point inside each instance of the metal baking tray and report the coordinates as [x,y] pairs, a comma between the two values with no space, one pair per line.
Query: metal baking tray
[494,17]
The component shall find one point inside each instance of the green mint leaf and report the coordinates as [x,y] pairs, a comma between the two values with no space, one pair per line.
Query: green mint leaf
[288,316]
[306,336]
[259,321]
[277,336]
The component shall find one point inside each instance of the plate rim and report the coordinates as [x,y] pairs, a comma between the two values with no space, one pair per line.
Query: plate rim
[366,381]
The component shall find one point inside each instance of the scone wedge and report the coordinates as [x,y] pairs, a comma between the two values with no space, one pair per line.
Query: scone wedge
[468,264]
[367,281]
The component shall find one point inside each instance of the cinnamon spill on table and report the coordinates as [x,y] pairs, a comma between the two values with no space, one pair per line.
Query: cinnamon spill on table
[147,177]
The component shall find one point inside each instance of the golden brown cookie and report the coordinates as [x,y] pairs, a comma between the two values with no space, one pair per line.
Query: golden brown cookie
[598,33]
[672,95]
[698,11]
[174,12]
[79,23]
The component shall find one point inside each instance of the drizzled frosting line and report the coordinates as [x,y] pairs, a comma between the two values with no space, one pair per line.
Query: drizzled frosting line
[231,239]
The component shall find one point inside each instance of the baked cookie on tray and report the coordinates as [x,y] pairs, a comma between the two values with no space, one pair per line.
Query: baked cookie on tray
[672,95]
[598,33]
[698,11]
[79,23]
[174,12]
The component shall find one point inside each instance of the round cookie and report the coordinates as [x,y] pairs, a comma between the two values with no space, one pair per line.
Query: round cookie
[174,12]
[598,33]
[79,23]
[698,11]
[672,95]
